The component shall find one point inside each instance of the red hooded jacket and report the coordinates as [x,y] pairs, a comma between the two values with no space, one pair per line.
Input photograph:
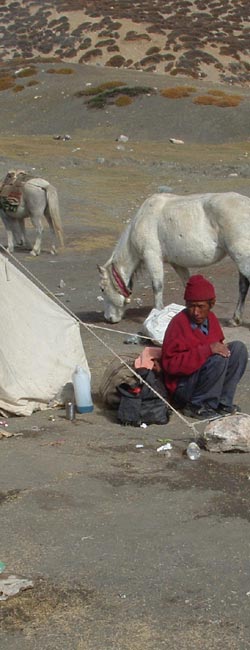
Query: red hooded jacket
[184,349]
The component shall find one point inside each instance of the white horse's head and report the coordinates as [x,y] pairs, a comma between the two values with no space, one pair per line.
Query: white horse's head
[115,293]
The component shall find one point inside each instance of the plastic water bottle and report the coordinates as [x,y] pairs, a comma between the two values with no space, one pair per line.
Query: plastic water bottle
[193,451]
[82,389]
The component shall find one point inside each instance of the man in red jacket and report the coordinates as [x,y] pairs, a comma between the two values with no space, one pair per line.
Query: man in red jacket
[201,371]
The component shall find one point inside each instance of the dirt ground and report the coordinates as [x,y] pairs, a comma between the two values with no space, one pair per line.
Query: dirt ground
[128,549]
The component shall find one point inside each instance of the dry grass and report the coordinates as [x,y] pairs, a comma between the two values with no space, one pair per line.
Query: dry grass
[123,100]
[225,101]
[6,82]
[177,92]
[218,93]
[33,82]
[60,71]
[26,72]
[18,88]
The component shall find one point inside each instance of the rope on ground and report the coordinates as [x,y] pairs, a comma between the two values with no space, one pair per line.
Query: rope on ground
[89,327]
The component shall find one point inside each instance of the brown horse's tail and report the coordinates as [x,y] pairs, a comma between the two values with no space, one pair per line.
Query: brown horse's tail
[53,209]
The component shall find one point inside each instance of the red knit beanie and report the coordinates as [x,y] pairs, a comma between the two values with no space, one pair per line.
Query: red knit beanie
[198,288]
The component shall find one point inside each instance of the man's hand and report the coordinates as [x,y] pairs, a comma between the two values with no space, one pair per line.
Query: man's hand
[220,348]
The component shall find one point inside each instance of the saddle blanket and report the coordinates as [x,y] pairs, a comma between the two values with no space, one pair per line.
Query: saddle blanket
[11,189]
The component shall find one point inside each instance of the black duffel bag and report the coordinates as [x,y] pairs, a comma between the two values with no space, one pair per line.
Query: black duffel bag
[138,403]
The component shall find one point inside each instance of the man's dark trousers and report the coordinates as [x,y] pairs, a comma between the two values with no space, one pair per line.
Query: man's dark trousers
[216,381]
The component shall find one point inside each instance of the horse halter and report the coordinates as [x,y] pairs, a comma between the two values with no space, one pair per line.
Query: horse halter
[120,284]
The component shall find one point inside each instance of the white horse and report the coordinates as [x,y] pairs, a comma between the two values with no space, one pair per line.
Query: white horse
[37,198]
[195,230]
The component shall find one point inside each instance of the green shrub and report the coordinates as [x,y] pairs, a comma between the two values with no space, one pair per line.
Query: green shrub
[96,90]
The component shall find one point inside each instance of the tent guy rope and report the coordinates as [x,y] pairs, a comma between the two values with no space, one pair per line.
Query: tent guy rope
[89,328]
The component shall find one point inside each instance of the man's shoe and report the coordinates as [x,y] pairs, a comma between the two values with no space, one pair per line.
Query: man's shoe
[201,412]
[224,409]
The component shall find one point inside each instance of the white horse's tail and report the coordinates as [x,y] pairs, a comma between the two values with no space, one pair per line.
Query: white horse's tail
[54,212]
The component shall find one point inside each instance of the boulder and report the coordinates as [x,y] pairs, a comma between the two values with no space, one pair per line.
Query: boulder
[231,433]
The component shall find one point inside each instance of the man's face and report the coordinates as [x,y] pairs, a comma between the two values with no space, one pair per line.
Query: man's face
[198,310]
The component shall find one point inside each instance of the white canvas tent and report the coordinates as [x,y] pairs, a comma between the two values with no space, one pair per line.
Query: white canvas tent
[40,344]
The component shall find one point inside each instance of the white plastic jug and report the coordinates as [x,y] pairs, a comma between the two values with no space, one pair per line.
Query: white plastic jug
[82,389]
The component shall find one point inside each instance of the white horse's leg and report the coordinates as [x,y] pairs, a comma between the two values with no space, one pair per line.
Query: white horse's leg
[37,223]
[182,272]
[21,237]
[154,264]
[7,221]
[243,289]
[239,253]
[53,249]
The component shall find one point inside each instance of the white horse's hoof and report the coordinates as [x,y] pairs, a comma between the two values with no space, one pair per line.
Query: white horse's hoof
[53,250]
[234,322]
[33,253]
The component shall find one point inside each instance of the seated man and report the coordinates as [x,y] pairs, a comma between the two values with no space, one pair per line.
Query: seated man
[201,371]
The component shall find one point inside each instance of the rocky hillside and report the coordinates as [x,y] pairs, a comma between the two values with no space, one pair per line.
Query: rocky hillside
[206,39]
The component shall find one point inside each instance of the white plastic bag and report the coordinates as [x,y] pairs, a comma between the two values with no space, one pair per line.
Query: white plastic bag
[157,321]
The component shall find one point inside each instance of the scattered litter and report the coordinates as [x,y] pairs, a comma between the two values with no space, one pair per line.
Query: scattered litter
[3,423]
[38,97]
[2,567]
[248,593]
[122,596]
[174,141]
[76,149]
[164,188]
[100,160]
[58,294]
[134,338]
[139,445]
[157,321]
[122,138]
[143,425]
[5,434]
[12,585]
[166,447]
[35,428]
[233,174]
[52,418]
[70,410]
[120,147]
[139,301]
[193,451]
[62,284]
[62,137]
[53,443]
[99,298]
